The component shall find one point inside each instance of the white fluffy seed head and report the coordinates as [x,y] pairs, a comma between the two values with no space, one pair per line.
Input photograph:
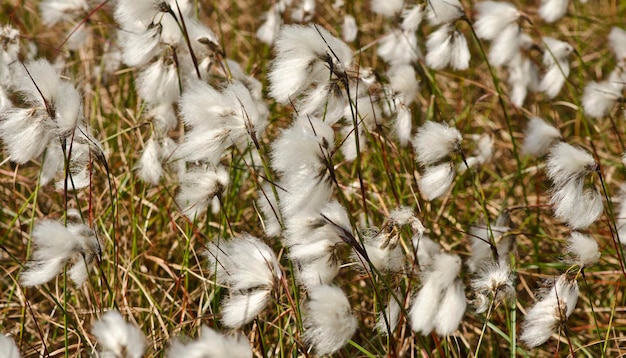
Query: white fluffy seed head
[303,57]
[329,322]
[599,98]
[8,347]
[539,137]
[451,309]
[211,344]
[424,307]
[492,17]
[412,17]
[388,8]
[566,162]
[435,141]
[399,47]
[349,28]
[436,181]
[243,263]
[118,337]
[445,269]
[577,206]
[198,187]
[552,10]
[506,46]
[493,284]
[444,11]
[617,41]
[56,244]
[583,249]
[241,308]
[388,319]
[555,306]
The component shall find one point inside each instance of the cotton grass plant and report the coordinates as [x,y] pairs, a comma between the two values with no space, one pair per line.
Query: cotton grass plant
[347,178]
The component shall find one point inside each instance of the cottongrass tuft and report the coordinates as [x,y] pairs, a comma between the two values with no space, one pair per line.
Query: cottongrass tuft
[249,268]
[556,304]
[492,285]
[558,68]
[435,141]
[211,344]
[578,206]
[583,249]
[440,303]
[303,57]
[8,347]
[436,181]
[118,338]
[329,322]
[539,137]
[56,244]
[444,11]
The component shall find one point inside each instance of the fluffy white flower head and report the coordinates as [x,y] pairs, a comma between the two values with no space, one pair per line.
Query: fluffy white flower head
[329,322]
[539,136]
[119,337]
[435,141]
[583,248]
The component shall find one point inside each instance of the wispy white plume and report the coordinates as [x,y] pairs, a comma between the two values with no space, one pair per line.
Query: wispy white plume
[583,249]
[555,59]
[599,98]
[523,77]
[492,285]
[480,238]
[620,220]
[412,17]
[217,120]
[211,344]
[399,47]
[198,187]
[54,11]
[444,11]
[441,294]
[539,137]
[328,321]
[553,309]
[268,31]
[447,46]
[8,347]
[54,246]
[506,46]
[403,123]
[567,162]
[552,10]
[403,81]
[305,55]
[149,168]
[388,8]
[451,309]
[243,263]
[435,141]
[567,167]
[388,318]
[349,28]
[492,17]
[436,180]
[617,41]
[158,83]
[249,268]
[577,206]
[118,337]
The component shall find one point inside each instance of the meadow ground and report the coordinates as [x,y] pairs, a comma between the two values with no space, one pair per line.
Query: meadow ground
[153,267]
